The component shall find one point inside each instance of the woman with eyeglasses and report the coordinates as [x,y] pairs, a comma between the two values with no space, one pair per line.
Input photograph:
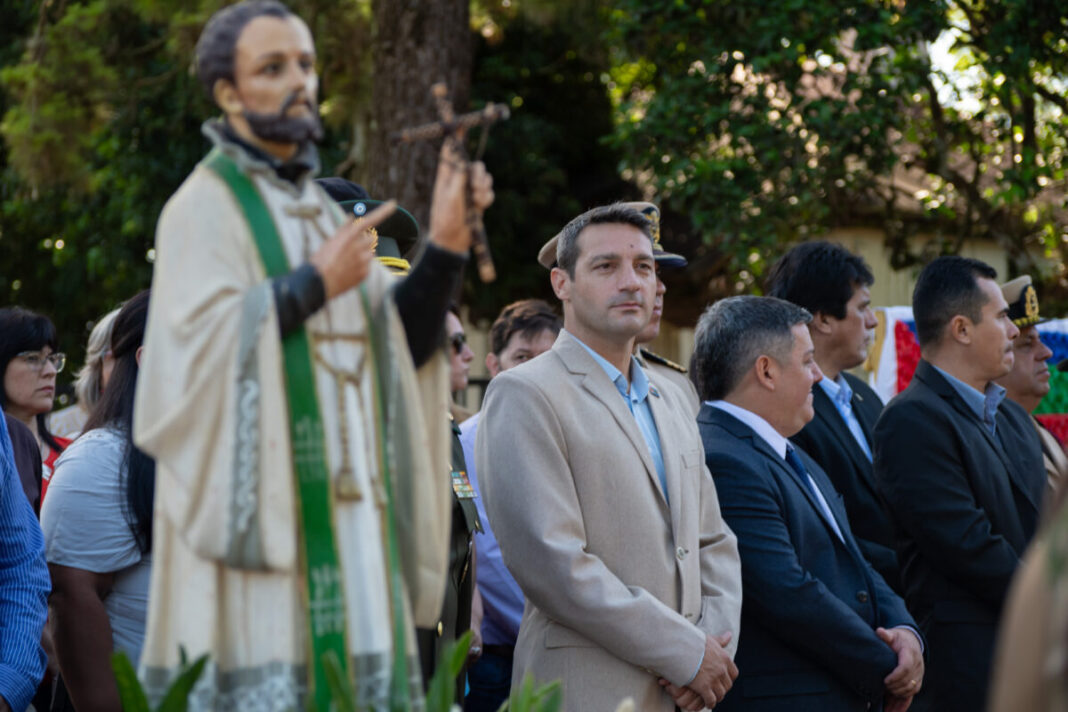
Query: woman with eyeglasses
[29,362]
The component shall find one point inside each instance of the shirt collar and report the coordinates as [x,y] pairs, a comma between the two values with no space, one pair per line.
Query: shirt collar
[837,390]
[760,426]
[983,404]
[639,382]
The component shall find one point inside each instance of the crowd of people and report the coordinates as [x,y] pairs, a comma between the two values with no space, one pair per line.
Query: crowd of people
[264,465]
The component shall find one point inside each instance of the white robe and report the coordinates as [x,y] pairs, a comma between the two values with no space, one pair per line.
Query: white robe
[226,579]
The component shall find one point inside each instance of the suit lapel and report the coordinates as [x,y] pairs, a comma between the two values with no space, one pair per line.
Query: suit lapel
[672,450]
[828,413]
[743,431]
[866,412]
[938,383]
[594,380]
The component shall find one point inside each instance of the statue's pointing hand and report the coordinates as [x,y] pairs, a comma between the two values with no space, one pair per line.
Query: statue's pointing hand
[344,260]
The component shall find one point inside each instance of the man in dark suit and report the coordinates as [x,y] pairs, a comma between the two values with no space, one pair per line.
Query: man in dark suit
[833,285]
[960,468]
[821,630]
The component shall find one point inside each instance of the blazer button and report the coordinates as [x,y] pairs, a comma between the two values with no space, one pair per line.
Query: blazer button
[680,553]
[862,596]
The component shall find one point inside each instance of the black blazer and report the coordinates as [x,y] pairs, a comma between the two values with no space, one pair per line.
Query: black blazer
[811,603]
[830,443]
[965,504]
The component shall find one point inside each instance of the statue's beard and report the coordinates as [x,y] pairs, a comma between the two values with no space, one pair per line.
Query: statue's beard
[279,128]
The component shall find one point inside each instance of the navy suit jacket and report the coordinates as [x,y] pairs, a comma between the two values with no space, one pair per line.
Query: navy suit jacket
[829,441]
[811,603]
[965,504]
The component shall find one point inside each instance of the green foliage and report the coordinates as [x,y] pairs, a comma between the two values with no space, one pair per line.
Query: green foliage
[175,699]
[341,690]
[440,695]
[441,692]
[549,161]
[102,124]
[548,698]
[767,123]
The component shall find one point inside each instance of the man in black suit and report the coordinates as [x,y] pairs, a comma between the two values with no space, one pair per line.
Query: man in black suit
[821,630]
[960,468]
[834,286]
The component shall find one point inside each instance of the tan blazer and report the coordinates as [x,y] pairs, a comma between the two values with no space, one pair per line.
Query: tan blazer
[1055,460]
[621,587]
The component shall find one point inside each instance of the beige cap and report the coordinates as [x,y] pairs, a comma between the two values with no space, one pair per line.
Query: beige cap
[1023,301]
[547,253]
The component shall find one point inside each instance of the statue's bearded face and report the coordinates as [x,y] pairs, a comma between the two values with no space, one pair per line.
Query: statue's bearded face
[272,101]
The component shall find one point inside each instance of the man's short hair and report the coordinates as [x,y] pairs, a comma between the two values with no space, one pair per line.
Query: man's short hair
[734,332]
[528,317]
[217,44]
[819,276]
[948,287]
[567,249]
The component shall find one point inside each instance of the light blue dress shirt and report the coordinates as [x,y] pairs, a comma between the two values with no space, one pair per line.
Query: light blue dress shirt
[841,395]
[636,396]
[502,599]
[984,405]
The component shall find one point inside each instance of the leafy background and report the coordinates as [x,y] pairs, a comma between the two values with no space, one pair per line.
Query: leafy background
[753,125]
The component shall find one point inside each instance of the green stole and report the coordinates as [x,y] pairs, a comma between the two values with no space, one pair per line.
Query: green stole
[323,592]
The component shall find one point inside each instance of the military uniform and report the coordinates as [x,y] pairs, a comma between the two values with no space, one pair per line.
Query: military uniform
[668,370]
[460,583]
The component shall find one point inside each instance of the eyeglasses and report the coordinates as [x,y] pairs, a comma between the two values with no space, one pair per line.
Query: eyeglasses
[36,359]
[458,340]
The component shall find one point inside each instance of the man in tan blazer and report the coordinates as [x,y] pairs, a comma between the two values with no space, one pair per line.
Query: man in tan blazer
[596,487]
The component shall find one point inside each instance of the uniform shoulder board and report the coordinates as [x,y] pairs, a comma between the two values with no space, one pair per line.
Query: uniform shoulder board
[657,358]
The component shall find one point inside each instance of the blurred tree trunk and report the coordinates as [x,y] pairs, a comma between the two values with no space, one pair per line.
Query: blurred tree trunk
[416,43]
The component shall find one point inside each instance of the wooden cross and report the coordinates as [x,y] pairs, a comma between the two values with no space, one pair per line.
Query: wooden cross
[450,127]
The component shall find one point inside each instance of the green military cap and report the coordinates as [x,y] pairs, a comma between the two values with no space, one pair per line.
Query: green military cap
[547,253]
[399,229]
[1022,299]
[394,237]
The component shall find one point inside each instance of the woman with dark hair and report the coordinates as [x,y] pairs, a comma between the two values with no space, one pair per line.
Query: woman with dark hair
[97,524]
[29,363]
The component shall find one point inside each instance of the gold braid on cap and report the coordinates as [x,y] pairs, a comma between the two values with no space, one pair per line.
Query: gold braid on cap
[374,234]
[1031,302]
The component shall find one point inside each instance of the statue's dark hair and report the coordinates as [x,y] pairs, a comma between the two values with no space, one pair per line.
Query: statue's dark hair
[215,48]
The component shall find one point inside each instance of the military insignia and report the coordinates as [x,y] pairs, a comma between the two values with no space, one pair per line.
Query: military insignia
[461,485]
[653,216]
[373,231]
[658,359]
[1031,302]
[359,209]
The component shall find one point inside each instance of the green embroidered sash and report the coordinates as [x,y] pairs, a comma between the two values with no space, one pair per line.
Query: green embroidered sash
[324,594]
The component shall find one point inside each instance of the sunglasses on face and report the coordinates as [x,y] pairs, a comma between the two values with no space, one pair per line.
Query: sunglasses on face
[36,359]
[458,340]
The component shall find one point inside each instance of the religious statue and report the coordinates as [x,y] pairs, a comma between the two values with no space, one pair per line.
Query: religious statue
[294,396]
